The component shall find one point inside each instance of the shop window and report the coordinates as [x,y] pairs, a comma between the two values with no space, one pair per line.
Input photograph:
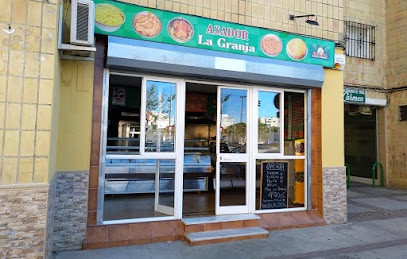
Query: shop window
[403,113]
[269,123]
[130,188]
[280,183]
[123,122]
[139,161]
[360,40]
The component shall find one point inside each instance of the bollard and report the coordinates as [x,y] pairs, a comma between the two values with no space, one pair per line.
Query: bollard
[374,174]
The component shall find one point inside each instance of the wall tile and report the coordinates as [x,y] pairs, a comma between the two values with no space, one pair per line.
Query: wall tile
[32,66]
[3,61]
[11,143]
[29,238]
[5,10]
[25,172]
[3,88]
[13,115]
[41,170]
[2,113]
[9,170]
[47,66]
[44,116]
[17,66]
[14,89]
[42,143]
[19,9]
[45,91]
[118,232]
[29,115]
[17,37]
[34,13]
[49,39]
[30,90]
[27,143]
[1,138]
[49,15]
[33,39]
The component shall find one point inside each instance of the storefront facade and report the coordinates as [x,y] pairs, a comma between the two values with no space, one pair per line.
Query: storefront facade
[193,131]
[81,123]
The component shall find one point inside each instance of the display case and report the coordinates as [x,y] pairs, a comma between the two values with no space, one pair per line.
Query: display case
[127,176]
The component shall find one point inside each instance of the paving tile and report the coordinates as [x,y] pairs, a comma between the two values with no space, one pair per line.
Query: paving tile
[383,203]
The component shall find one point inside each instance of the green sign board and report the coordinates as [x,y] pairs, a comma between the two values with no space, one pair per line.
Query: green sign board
[353,95]
[132,21]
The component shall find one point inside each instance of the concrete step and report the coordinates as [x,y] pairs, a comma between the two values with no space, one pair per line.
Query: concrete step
[220,222]
[225,235]
[221,218]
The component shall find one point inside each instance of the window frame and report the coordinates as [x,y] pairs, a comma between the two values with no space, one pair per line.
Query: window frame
[360,40]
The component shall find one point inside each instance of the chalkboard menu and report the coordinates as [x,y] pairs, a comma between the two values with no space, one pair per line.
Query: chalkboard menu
[273,188]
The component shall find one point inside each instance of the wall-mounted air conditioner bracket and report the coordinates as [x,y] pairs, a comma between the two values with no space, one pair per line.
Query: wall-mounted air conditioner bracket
[69,51]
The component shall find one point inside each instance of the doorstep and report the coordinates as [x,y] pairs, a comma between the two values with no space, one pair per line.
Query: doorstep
[225,228]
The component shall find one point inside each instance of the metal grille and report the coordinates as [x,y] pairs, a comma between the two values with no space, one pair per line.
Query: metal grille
[403,113]
[82,22]
[360,40]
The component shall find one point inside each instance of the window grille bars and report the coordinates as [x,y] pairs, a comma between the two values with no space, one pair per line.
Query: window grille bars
[360,40]
[403,113]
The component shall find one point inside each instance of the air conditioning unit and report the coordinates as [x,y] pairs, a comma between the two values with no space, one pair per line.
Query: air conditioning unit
[76,30]
[365,110]
[82,22]
[353,109]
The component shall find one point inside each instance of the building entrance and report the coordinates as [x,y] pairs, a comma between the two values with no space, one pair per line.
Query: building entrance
[360,142]
[173,149]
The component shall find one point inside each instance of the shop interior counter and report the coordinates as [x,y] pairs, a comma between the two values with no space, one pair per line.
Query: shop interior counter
[126,176]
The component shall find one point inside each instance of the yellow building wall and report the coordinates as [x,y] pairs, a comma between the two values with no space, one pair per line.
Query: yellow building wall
[75,115]
[365,72]
[332,119]
[28,62]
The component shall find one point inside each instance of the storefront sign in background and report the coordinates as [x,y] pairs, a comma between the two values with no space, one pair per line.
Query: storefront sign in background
[352,95]
[132,21]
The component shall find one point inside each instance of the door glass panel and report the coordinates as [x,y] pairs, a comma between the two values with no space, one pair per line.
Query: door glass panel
[268,122]
[165,170]
[233,121]
[232,184]
[160,116]
[233,158]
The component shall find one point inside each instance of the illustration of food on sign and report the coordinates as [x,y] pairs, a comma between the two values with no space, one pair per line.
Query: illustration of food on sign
[271,45]
[297,49]
[108,17]
[180,30]
[146,24]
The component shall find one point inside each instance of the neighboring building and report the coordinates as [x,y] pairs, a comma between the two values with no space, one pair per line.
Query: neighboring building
[272,122]
[375,72]
[124,141]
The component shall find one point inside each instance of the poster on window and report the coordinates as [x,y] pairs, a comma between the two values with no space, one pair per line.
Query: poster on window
[119,96]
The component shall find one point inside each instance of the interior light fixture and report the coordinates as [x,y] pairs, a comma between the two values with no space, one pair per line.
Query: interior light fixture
[309,21]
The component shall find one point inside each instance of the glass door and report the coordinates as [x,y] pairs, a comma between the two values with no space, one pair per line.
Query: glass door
[232,159]
[159,143]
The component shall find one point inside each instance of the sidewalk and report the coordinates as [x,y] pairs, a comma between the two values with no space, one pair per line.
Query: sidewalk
[376,228]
